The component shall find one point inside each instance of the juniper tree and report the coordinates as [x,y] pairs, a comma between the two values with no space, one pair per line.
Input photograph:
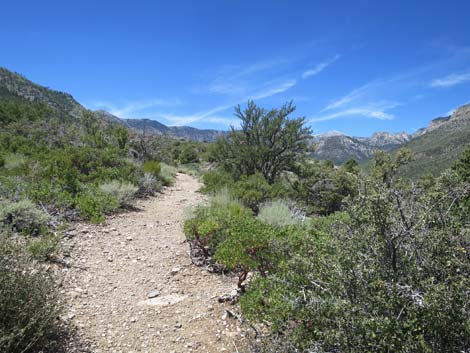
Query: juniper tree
[268,142]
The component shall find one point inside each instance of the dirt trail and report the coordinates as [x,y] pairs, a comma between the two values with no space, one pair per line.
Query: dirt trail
[133,288]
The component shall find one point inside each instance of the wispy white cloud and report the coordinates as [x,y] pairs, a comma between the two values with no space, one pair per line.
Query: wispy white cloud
[450,80]
[272,90]
[226,88]
[131,109]
[211,116]
[350,97]
[365,112]
[377,110]
[236,79]
[319,67]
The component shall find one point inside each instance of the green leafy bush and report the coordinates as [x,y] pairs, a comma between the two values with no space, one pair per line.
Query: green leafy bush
[211,224]
[254,190]
[94,204]
[215,180]
[152,167]
[189,154]
[23,217]
[29,303]
[121,191]
[390,274]
[248,248]
[322,189]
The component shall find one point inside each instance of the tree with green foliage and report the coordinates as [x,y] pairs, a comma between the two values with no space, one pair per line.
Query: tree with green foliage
[351,166]
[268,142]
[462,166]
[188,154]
[121,135]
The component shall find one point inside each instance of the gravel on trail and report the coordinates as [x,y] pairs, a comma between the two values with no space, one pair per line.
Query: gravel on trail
[131,286]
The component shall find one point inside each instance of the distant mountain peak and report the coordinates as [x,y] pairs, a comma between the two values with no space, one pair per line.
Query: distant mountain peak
[339,147]
[331,133]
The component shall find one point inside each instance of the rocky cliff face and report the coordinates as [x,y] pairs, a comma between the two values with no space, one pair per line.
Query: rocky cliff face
[386,140]
[339,147]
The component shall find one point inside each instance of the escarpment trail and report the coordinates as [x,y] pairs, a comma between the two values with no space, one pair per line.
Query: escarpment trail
[132,287]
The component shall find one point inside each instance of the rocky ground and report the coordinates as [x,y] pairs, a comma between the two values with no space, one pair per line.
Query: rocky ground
[131,286]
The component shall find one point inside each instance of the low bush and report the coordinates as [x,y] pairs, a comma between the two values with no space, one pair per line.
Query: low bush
[249,248]
[167,174]
[149,184]
[23,217]
[254,190]
[152,167]
[93,204]
[223,199]
[123,192]
[210,225]
[42,248]
[323,189]
[215,180]
[29,304]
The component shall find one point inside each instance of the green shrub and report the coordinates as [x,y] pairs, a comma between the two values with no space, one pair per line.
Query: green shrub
[210,225]
[152,167]
[121,191]
[167,174]
[94,204]
[23,217]
[390,274]
[254,190]
[278,213]
[15,162]
[42,248]
[188,154]
[321,189]
[248,248]
[215,180]
[29,304]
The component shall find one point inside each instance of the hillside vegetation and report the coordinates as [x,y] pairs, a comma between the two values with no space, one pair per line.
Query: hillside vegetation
[59,163]
[439,146]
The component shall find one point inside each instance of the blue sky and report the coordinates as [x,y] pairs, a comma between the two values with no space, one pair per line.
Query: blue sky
[352,66]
